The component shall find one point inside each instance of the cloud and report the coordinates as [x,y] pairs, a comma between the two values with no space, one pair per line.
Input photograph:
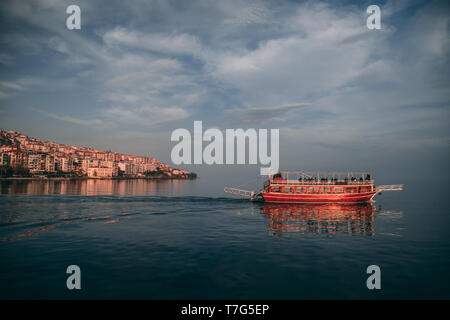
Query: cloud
[184,44]
[11,85]
[71,119]
[57,44]
[307,63]
[145,70]
[146,115]
[116,116]
[11,88]
[260,115]
[252,14]
[6,59]
[138,65]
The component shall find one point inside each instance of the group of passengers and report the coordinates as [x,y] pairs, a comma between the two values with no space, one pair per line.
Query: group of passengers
[278,176]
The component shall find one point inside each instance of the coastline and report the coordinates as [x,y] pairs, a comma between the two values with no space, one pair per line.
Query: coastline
[92,178]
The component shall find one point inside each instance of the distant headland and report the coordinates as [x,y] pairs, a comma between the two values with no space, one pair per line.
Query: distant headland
[26,158]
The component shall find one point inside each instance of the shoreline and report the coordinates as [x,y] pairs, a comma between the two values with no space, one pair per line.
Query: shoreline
[91,178]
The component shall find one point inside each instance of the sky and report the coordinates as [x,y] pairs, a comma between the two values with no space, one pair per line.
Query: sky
[343,96]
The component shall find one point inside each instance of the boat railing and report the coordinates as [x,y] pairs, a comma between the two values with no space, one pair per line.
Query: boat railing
[239,192]
[390,187]
[319,182]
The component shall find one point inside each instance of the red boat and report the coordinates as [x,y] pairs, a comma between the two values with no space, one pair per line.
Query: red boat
[317,187]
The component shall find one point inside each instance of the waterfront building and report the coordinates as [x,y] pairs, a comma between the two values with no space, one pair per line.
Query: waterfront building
[64,164]
[34,162]
[17,158]
[110,164]
[100,172]
[125,167]
[4,159]
[50,163]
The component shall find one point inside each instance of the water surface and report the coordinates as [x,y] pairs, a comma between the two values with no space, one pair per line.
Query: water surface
[140,239]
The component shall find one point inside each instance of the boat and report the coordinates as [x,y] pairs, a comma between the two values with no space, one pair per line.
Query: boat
[317,187]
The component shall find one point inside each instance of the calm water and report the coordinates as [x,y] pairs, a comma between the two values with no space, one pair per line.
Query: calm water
[182,240]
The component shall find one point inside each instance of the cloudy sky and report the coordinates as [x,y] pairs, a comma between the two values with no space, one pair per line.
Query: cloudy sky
[343,96]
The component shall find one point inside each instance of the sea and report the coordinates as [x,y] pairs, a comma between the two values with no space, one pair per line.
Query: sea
[186,239]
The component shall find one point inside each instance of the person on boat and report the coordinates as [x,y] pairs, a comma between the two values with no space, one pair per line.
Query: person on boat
[277,176]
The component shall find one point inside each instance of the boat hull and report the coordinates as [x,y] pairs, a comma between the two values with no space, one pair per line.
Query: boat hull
[318,198]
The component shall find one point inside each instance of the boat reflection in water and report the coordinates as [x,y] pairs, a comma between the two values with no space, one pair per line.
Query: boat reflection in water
[329,219]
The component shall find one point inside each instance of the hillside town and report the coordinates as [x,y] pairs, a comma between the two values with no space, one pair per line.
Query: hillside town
[23,156]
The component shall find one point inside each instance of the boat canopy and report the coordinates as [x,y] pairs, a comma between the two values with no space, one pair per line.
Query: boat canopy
[314,174]
[320,177]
